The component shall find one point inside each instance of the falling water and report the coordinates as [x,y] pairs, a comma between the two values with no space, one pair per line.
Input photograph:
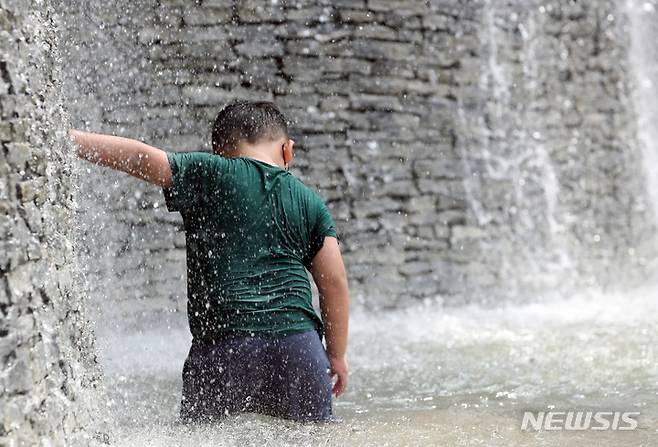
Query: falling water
[511,183]
[432,375]
[644,56]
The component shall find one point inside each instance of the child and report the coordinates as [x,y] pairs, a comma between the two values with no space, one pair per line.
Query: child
[251,228]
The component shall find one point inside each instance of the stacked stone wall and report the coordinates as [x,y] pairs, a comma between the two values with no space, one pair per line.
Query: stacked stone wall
[472,150]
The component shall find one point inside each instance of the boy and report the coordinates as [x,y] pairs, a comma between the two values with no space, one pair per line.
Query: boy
[251,228]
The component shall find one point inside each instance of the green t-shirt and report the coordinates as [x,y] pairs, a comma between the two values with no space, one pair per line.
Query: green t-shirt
[250,228]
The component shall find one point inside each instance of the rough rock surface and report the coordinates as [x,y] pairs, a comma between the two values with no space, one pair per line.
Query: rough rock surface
[47,363]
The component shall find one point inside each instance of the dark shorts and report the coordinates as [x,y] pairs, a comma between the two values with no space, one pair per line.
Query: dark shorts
[284,376]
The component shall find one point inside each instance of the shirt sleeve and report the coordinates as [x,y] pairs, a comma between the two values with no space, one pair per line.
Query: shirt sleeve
[324,226]
[191,174]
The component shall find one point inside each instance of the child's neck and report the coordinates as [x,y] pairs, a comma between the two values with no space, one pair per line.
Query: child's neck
[261,157]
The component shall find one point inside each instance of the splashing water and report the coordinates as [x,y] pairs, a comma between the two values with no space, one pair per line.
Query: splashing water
[425,375]
[429,375]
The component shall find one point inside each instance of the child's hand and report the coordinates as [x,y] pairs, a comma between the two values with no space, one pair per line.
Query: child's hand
[72,134]
[339,369]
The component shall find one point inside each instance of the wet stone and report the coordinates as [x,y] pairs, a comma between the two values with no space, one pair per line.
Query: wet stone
[36,200]
[17,376]
[18,154]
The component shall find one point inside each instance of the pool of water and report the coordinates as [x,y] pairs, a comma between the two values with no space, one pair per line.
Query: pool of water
[425,375]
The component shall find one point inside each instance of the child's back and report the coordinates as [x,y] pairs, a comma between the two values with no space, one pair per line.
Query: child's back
[251,229]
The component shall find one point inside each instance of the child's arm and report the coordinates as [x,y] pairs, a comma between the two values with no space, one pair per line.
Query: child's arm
[329,275]
[124,154]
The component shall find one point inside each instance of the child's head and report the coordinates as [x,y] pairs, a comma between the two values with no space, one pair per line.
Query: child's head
[242,124]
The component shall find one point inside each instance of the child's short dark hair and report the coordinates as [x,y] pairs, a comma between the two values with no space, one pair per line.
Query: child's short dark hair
[250,121]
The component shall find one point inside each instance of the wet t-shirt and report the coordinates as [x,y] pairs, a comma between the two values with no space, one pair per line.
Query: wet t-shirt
[251,229]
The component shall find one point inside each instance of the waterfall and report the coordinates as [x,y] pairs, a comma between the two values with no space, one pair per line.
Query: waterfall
[643,31]
[510,177]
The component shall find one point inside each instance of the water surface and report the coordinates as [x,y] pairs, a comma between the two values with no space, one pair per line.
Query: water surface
[425,375]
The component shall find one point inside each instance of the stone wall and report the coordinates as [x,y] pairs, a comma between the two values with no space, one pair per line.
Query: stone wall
[47,367]
[473,150]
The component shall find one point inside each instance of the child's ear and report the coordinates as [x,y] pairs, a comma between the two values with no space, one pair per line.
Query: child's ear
[287,151]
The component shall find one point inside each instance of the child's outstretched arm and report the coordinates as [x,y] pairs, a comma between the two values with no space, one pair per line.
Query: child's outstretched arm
[329,275]
[124,154]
